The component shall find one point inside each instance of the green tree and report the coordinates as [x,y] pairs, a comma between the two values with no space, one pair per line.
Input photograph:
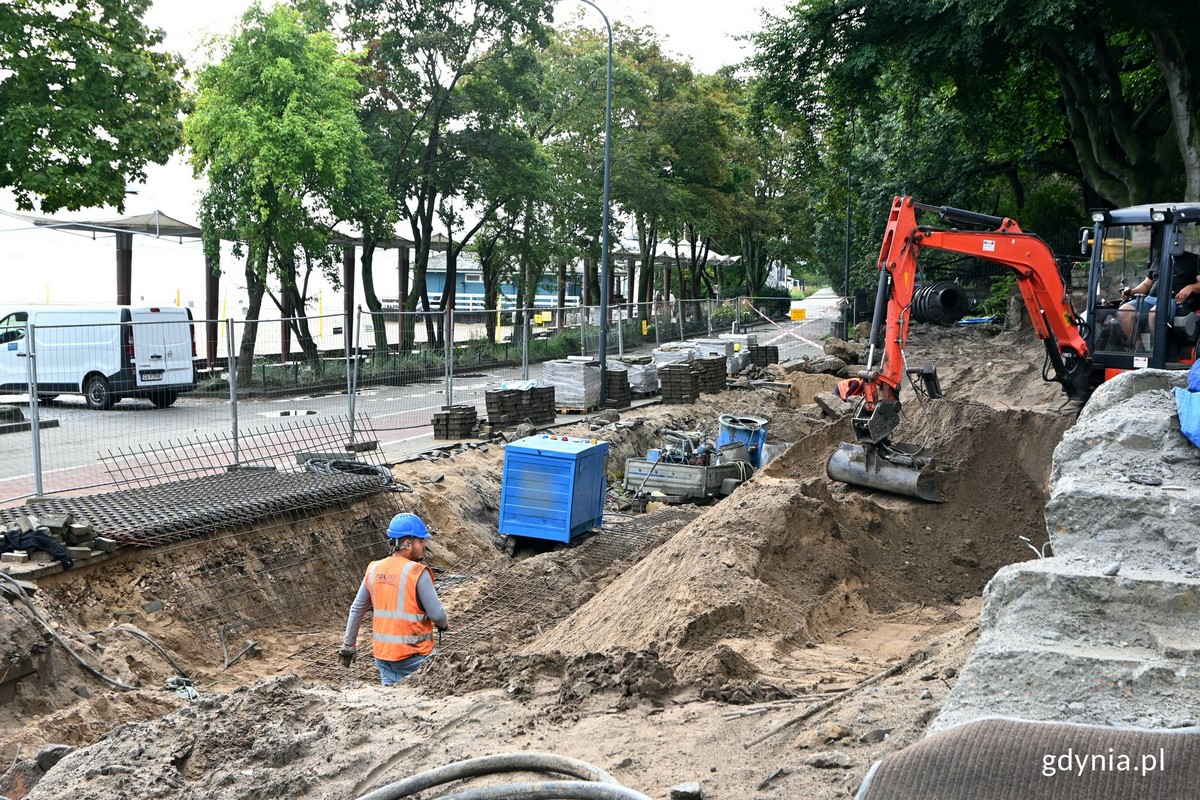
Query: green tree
[1103,91]
[418,56]
[86,101]
[275,129]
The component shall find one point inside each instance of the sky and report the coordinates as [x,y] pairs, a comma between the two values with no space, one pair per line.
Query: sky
[42,267]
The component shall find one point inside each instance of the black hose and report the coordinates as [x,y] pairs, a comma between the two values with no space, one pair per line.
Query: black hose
[549,790]
[484,765]
[20,593]
[326,466]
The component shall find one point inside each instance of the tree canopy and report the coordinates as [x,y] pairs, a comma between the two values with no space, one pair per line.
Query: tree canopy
[86,101]
[276,130]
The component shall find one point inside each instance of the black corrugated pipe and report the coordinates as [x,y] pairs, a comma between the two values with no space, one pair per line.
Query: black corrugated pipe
[550,790]
[941,303]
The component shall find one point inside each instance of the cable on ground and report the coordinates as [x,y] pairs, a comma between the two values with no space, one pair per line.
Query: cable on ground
[132,631]
[326,466]
[20,594]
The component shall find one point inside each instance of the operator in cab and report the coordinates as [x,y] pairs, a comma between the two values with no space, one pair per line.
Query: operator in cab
[1142,299]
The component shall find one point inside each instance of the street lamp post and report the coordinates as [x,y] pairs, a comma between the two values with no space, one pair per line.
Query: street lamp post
[604,216]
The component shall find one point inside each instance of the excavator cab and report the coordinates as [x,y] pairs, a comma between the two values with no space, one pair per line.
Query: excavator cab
[1126,329]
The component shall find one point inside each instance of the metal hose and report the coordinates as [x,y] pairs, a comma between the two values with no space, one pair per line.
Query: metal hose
[486,765]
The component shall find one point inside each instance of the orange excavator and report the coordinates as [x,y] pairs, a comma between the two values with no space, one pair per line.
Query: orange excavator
[1114,334]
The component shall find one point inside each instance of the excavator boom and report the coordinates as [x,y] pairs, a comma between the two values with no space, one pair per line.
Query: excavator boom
[874,460]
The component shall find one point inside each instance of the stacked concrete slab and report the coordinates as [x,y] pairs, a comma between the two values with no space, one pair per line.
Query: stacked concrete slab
[1107,631]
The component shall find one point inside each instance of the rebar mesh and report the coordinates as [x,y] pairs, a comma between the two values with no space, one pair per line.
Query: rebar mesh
[279,447]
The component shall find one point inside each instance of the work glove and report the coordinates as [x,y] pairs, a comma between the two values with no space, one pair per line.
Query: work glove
[346,654]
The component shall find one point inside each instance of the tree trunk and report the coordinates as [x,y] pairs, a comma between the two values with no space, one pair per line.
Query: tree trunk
[256,267]
[374,306]
[1172,63]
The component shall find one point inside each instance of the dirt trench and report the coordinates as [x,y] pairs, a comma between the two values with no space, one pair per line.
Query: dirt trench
[791,588]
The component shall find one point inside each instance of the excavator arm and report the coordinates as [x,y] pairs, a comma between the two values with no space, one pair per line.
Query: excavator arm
[1041,287]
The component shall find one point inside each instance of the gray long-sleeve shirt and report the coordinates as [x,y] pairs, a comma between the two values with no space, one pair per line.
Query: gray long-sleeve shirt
[426,597]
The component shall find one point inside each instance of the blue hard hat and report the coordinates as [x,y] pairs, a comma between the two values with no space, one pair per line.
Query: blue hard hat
[405,525]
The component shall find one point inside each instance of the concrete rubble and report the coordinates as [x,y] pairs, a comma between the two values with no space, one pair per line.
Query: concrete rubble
[1107,630]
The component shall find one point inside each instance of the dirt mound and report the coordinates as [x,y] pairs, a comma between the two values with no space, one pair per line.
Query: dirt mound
[794,559]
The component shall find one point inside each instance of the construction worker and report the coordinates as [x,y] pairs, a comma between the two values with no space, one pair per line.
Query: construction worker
[406,607]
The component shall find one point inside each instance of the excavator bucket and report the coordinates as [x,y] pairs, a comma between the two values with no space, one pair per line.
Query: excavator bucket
[897,467]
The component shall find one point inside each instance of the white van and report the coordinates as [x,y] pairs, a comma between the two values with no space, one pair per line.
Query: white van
[104,353]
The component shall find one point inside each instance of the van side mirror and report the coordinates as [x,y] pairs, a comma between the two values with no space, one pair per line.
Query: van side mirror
[1085,242]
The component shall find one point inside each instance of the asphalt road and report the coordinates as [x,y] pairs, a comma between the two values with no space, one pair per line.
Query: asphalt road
[87,449]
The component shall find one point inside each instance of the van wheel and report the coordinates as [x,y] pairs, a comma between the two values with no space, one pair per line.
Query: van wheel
[95,391]
[163,398]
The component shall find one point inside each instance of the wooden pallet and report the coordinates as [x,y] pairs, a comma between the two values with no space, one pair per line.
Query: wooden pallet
[644,395]
[588,410]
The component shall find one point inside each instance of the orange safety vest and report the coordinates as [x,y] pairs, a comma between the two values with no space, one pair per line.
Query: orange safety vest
[848,388]
[400,627]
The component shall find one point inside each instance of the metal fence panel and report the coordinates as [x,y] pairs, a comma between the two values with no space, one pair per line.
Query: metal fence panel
[394,369]
[96,386]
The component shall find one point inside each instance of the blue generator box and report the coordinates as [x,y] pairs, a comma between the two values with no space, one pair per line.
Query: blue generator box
[553,487]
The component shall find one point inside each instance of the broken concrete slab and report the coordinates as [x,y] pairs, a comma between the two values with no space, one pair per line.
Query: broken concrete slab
[1071,638]
[829,365]
[832,405]
[1125,485]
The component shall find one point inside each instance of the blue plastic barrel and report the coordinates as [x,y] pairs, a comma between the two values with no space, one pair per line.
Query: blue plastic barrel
[750,431]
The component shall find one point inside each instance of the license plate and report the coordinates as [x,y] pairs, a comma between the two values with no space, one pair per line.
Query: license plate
[151,374]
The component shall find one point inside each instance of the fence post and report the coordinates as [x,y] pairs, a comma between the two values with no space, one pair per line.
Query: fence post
[448,335]
[231,364]
[352,380]
[525,347]
[657,331]
[620,329]
[583,330]
[709,306]
[34,418]
[679,302]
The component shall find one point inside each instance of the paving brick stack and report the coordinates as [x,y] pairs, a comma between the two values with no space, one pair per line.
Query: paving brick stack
[680,383]
[761,356]
[454,422]
[712,373]
[616,389]
[576,383]
[510,407]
